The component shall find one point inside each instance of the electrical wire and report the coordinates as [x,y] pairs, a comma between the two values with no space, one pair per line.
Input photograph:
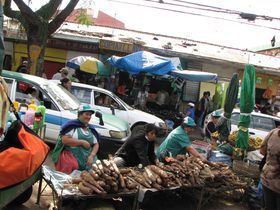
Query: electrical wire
[212,8]
[192,13]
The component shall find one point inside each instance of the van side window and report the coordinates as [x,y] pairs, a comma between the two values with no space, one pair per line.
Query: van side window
[23,92]
[102,99]
[83,94]
[9,84]
[263,123]
[234,118]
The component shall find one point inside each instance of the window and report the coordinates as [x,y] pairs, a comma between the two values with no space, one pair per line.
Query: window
[83,94]
[23,95]
[263,123]
[102,99]
[235,118]
[22,91]
[7,64]
[10,84]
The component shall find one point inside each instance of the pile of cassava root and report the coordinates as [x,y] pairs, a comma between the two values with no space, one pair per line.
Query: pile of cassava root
[106,177]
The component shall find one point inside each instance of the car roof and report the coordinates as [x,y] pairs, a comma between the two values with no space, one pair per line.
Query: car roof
[258,114]
[77,84]
[24,77]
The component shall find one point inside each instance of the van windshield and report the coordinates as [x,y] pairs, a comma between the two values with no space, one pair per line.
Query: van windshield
[62,96]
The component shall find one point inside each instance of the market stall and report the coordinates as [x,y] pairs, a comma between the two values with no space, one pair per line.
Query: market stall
[105,180]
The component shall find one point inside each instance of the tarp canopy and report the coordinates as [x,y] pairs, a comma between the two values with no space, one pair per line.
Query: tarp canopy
[143,61]
[147,62]
[194,75]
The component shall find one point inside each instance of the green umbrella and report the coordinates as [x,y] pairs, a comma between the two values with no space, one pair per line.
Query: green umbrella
[224,125]
[247,102]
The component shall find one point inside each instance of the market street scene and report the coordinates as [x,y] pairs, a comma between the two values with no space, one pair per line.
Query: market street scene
[139,105]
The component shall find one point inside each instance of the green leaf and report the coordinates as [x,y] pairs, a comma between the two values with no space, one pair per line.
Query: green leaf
[84,19]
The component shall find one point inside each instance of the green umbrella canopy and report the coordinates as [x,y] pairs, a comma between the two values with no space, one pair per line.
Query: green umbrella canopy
[224,125]
[247,102]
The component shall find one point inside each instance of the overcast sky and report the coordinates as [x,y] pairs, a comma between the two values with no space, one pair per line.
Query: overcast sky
[200,28]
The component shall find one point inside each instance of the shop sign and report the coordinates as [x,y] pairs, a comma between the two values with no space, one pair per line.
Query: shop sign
[119,46]
[75,46]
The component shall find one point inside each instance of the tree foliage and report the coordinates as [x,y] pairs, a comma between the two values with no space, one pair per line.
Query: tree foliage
[39,26]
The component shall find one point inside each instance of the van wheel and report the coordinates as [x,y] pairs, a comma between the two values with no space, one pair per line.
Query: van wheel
[137,129]
[22,198]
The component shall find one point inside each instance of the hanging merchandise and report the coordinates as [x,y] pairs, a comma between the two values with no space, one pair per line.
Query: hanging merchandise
[32,106]
[16,105]
[29,117]
[217,98]
[269,82]
[23,106]
[38,120]
[258,80]
[42,109]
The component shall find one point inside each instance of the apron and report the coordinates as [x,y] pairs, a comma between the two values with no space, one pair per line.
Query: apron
[81,153]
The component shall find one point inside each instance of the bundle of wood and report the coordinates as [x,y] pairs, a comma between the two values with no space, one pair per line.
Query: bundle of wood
[106,177]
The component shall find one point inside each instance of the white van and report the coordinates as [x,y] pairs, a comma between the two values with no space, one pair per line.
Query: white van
[62,106]
[135,118]
[260,124]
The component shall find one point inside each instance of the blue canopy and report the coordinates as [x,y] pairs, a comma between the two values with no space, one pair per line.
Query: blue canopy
[143,61]
[194,75]
[147,62]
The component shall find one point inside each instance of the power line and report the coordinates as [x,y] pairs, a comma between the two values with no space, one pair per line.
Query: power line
[266,17]
[200,7]
[192,13]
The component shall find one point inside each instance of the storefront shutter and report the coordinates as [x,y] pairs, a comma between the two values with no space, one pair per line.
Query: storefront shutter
[190,91]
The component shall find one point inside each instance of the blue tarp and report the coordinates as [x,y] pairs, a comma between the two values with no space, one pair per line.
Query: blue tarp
[147,62]
[143,61]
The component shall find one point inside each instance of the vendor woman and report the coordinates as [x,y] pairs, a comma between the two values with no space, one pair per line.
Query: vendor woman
[80,140]
[211,125]
[178,141]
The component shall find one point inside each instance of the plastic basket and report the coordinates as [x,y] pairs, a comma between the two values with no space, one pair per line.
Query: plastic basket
[247,169]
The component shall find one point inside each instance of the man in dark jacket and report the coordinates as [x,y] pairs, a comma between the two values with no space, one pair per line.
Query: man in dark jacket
[138,149]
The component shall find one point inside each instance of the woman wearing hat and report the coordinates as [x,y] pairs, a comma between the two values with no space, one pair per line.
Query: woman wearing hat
[178,141]
[211,125]
[79,140]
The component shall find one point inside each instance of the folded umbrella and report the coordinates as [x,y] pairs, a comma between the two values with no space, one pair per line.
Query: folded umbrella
[224,125]
[247,103]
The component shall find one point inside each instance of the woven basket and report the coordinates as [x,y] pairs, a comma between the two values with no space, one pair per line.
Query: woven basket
[246,169]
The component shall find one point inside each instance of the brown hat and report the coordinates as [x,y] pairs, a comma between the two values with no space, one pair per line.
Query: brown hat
[64,71]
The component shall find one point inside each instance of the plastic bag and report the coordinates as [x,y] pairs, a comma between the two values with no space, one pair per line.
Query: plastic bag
[66,162]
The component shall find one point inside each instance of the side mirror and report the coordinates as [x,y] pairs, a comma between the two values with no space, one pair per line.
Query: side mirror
[112,109]
[99,115]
